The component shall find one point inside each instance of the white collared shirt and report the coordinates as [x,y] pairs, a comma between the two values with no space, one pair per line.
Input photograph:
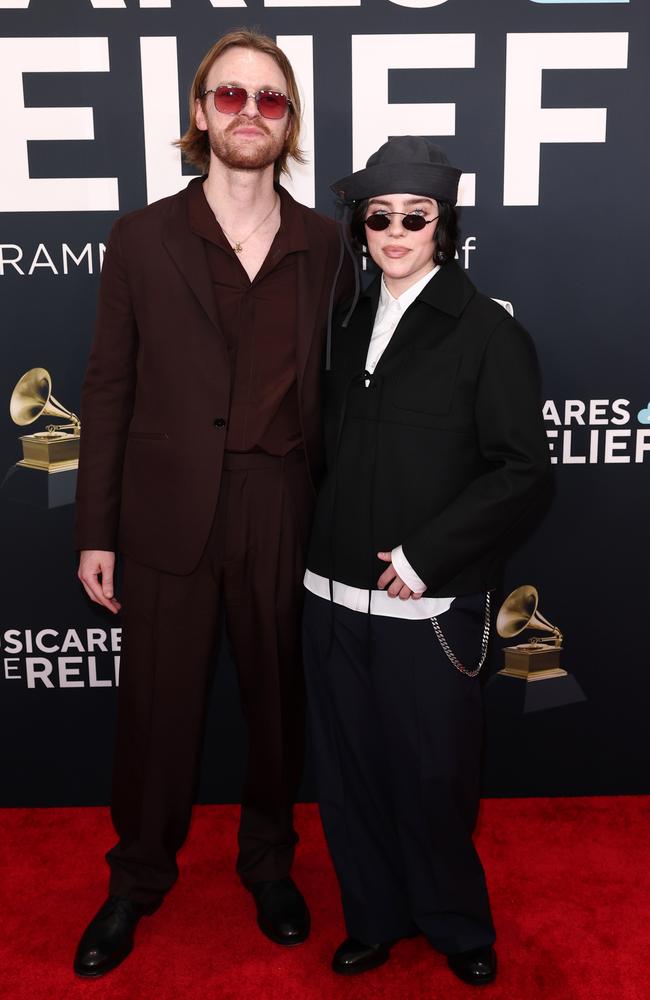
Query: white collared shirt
[389,312]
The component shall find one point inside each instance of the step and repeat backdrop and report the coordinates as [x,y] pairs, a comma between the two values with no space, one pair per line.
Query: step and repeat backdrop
[543,103]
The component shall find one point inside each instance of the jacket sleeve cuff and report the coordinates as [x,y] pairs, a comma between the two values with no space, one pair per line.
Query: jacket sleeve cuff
[406,571]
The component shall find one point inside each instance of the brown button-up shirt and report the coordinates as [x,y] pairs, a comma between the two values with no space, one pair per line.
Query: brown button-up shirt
[258,320]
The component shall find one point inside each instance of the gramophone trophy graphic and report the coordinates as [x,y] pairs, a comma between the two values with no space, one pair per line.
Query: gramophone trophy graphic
[46,476]
[533,678]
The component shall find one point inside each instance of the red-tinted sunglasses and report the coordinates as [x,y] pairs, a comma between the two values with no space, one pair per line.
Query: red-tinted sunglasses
[232,100]
[411,221]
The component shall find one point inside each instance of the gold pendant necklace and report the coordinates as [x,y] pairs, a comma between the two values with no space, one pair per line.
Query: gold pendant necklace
[238,245]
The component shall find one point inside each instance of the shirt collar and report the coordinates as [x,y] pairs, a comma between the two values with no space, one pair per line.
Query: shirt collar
[292,225]
[450,292]
[290,236]
[403,301]
[200,215]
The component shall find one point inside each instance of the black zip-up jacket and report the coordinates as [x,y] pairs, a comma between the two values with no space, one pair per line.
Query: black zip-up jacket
[444,452]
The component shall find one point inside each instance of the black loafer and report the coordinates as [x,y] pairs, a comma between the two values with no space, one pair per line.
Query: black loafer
[108,938]
[477,967]
[282,913]
[353,956]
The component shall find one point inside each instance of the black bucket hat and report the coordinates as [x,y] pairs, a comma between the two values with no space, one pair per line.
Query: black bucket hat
[406,164]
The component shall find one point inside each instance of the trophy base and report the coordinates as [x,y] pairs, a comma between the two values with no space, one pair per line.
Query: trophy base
[53,451]
[43,488]
[505,693]
[531,661]
[538,675]
[53,467]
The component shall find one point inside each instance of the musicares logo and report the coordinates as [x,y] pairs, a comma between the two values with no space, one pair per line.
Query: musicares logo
[51,658]
[597,431]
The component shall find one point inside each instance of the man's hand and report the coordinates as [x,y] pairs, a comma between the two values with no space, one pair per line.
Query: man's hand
[96,568]
[397,586]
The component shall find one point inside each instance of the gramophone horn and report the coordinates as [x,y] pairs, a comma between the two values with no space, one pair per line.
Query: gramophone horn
[519,611]
[33,398]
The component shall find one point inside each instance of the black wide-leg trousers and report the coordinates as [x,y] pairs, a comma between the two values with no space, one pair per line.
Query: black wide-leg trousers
[252,568]
[397,732]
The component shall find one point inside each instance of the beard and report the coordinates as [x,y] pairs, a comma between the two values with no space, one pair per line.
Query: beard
[240,154]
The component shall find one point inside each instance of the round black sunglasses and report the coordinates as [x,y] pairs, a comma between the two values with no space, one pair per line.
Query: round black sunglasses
[410,221]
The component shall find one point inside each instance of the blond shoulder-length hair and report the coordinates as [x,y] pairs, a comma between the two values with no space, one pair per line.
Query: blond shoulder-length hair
[195,144]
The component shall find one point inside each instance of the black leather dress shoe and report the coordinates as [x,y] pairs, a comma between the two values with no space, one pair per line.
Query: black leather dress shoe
[108,938]
[353,956]
[282,913]
[477,967]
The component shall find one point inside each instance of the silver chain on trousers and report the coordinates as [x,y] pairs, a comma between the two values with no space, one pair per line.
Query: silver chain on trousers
[484,642]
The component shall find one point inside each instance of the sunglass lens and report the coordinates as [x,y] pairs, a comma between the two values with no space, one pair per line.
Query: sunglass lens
[414,222]
[229,100]
[271,104]
[377,222]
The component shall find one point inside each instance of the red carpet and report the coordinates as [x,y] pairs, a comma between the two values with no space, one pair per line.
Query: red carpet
[568,877]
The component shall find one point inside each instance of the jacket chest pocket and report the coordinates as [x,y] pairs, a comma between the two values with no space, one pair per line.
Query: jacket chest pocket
[426,381]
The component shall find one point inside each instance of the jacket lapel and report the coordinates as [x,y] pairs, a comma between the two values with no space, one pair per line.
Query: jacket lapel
[359,332]
[186,250]
[437,307]
[310,276]
[306,285]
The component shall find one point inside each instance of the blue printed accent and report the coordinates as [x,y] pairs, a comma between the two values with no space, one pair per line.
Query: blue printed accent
[643,416]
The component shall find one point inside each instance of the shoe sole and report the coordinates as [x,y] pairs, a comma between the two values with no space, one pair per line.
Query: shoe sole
[476,982]
[485,981]
[276,939]
[113,964]
[359,969]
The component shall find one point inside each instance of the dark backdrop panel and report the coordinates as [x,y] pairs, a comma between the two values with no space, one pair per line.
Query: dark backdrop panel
[571,260]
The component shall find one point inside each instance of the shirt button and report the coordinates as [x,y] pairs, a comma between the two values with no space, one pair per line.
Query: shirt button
[219,422]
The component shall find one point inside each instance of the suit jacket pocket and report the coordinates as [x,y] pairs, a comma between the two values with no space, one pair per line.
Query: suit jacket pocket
[148,435]
[425,382]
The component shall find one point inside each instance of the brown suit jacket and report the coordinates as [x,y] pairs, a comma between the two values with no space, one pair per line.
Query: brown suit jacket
[157,388]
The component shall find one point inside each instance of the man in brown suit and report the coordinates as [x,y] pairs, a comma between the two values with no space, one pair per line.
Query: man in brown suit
[200,451]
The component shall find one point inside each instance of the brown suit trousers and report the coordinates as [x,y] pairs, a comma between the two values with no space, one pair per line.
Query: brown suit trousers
[252,569]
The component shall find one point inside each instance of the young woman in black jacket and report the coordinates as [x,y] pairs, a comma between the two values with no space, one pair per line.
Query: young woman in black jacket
[436,452]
